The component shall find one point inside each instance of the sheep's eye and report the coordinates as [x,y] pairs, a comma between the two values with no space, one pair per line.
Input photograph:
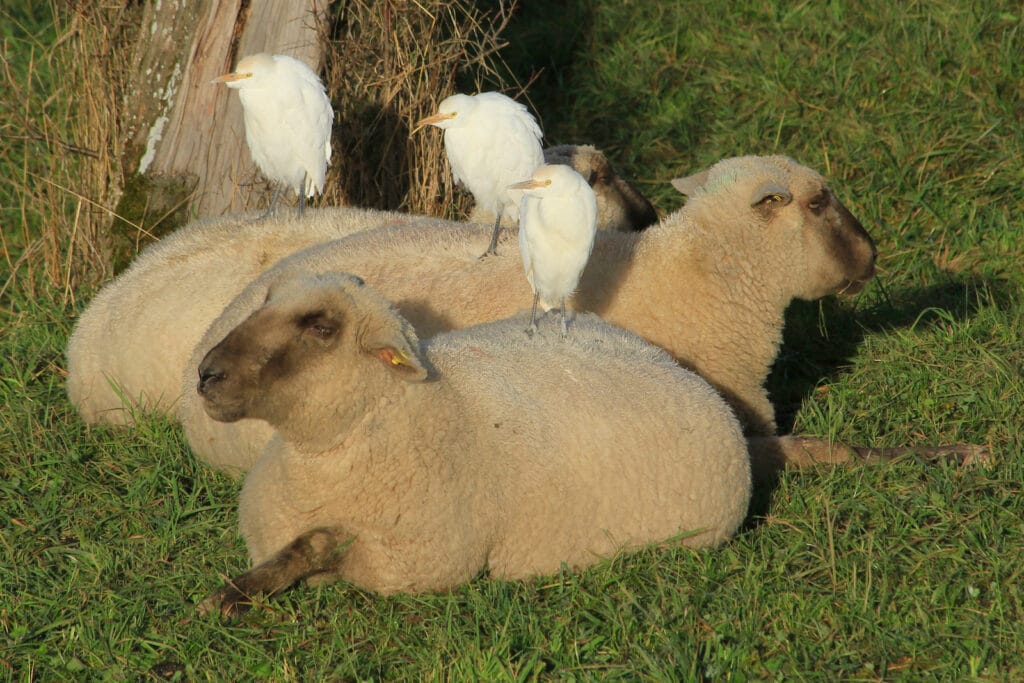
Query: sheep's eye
[773,199]
[818,202]
[318,324]
[322,331]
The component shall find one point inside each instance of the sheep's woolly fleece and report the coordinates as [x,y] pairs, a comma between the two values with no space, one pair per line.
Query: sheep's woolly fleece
[130,344]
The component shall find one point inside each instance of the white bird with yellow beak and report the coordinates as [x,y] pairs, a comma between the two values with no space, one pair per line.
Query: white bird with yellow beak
[491,141]
[287,121]
[557,224]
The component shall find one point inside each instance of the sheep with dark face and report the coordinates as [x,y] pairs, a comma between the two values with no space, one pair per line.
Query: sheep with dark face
[484,449]
[130,344]
[710,284]
[620,206]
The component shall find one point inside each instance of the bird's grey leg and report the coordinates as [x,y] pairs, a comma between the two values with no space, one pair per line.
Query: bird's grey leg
[565,326]
[533,316]
[302,195]
[492,248]
[314,552]
[273,201]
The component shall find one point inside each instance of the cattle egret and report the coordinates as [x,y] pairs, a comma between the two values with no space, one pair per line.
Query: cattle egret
[557,224]
[287,121]
[491,142]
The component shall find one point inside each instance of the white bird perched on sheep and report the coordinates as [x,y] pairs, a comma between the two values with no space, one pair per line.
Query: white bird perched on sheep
[491,142]
[557,226]
[287,121]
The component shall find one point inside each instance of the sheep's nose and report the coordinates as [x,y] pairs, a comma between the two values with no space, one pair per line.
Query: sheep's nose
[208,376]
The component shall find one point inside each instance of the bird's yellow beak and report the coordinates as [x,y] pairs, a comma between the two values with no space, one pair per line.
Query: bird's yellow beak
[234,76]
[431,120]
[530,184]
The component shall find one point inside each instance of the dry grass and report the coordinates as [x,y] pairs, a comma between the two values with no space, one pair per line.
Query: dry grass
[60,116]
[389,64]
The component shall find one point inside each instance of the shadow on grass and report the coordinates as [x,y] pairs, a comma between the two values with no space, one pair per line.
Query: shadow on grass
[821,337]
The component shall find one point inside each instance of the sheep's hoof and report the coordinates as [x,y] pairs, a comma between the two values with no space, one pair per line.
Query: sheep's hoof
[228,600]
[965,454]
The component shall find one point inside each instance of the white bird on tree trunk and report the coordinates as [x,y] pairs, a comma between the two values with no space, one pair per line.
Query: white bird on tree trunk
[491,142]
[287,121]
[557,224]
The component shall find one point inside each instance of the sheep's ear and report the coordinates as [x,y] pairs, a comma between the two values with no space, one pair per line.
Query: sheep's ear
[771,193]
[393,342]
[404,361]
[692,184]
[383,333]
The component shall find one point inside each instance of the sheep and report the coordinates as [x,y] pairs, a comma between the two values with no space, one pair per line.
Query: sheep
[482,449]
[709,284]
[620,206]
[126,353]
[130,344]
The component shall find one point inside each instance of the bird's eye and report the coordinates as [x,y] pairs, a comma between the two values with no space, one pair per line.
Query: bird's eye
[547,182]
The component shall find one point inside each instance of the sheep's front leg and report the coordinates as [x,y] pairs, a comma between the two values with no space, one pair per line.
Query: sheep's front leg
[314,552]
[769,455]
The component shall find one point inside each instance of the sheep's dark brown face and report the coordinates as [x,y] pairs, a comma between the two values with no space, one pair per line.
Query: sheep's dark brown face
[307,359]
[840,251]
[620,206]
[814,244]
[256,371]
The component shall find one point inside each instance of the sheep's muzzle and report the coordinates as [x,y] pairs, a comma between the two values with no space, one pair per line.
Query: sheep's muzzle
[215,386]
[853,247]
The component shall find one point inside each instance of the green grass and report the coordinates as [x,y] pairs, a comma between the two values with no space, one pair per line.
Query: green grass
[915,111]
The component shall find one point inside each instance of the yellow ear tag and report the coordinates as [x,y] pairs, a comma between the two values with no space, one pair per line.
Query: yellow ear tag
[393,356]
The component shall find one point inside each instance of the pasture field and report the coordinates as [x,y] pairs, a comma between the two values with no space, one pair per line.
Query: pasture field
[907,571]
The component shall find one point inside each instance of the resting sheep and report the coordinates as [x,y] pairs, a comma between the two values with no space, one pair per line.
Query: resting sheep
[481,450]
[620,206]
[710,284]
[131,342]
[136,335]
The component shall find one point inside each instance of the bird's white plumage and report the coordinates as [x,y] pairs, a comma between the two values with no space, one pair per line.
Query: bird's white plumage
[491,142]
[557,224]
[288,119]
